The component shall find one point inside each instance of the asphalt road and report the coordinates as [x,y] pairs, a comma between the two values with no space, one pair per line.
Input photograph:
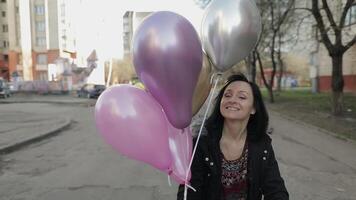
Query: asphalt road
[77,164]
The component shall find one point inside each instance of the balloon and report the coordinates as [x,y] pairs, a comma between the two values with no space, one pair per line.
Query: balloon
[230,30]
[167,56]
[133,123]
[202,89]
[180,144]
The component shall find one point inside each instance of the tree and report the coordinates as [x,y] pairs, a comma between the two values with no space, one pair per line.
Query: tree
[331,32]
[274,15]
[280,61]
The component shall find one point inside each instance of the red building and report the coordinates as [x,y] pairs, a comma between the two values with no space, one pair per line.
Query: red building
[4,67]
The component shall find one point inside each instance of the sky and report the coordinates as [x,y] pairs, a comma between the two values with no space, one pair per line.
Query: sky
[99,26]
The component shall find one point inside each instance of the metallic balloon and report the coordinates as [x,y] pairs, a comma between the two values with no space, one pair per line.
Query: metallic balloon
[202,89]
[167,56]
[230,30]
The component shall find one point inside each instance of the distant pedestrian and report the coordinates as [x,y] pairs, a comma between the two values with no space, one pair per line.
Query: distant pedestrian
[234,158]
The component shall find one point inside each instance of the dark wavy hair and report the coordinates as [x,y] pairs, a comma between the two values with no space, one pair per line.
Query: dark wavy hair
[258,122]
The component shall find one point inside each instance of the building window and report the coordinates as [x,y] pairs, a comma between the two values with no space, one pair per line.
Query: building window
[3,13]
[126,28]
[41,41]
[3,1]
[5,44]
[41,59]
[63,10]
[40,26]
[19,59]
[5,28]
[39,10]
[17,9]
[43,76]
[351,16]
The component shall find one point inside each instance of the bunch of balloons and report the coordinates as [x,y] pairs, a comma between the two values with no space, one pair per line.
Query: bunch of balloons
[152,125]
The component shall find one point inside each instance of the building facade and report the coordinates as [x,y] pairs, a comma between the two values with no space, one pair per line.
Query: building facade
[35,33]
[4,41]
[131,21]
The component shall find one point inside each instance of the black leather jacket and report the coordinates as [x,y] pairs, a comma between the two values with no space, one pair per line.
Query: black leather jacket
[263,173]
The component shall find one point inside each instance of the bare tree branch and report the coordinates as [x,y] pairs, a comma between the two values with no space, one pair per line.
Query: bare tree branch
[272,14]
[321,25]
[261,69]
[286,12]
[349,44]
[307,9]
[344,12]
[301,21]
[330,16]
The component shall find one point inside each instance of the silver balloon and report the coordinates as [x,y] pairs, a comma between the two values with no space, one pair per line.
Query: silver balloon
[230,30]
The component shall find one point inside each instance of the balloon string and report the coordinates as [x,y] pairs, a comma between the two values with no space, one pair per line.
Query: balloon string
[218,74]
[201,128]
[189,186]
[169,181]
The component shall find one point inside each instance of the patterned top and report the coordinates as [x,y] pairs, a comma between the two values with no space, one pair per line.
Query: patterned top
[234,177]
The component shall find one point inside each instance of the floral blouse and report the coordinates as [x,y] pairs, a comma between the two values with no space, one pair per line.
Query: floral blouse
[234,177]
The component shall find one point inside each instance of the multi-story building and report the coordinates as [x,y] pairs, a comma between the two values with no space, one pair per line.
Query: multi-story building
[4,41]
[35,33]
[127,31]
[131,22]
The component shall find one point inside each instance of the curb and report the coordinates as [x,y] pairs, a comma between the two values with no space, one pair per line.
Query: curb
[19,145]
[340,137]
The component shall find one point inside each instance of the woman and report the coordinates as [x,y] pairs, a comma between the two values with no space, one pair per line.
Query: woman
[234,158]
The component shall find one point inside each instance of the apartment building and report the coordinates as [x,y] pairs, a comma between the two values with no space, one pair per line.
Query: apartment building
[4,41]
[34,34]
[131,21]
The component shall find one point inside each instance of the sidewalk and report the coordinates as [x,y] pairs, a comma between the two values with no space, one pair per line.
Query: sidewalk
[19,129]
[15,136]
[58,99]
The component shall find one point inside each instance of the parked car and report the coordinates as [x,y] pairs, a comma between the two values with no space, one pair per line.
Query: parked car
[91,90]
[4,89]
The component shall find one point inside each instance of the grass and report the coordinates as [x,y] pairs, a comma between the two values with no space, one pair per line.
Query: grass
[315,109]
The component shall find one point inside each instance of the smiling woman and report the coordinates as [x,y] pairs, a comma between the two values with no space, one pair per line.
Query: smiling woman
[235,159]
[237,101]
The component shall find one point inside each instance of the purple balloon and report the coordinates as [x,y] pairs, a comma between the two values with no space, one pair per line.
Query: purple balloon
[167,56]
[180,144]
[134,124]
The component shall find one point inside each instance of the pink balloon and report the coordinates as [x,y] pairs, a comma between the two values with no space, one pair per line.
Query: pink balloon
[134,124]
[180,144]
[168,57]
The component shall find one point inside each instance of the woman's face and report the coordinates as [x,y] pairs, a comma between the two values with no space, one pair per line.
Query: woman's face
[237,101]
